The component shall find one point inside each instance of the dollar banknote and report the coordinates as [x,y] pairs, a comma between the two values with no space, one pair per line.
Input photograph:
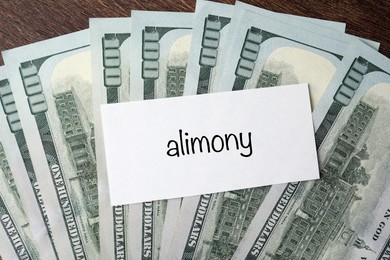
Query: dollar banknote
[345,214]
[17,240]
[160,45]
[200,232]
[212,225]
[51,86]
[266,52]
[21,181]
[211,36]
[110,53]
[15,233]
[160,53]
[331,29]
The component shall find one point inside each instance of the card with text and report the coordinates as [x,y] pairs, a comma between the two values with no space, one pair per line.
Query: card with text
[192,145]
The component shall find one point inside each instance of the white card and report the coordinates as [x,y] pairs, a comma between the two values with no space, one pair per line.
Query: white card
[192,145]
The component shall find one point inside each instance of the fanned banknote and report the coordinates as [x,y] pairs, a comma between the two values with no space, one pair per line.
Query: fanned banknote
[212,36]
[51,86]
[17,241]
[261,43]
[344,215]
[202,233]
[331,29]
[160,45]
[21,180]
[110,53]
[54,197]
[160,53]
[15,233]
[266,52]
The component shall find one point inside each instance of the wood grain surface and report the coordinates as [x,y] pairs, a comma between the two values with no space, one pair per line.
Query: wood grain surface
[27,21]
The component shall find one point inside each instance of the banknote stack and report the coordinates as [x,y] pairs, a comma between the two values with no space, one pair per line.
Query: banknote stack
[54,197]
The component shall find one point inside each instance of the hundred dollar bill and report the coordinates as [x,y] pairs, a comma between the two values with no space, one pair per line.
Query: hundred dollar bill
[211,36]
[160,45]
[345,214]
[17,241]
[334,30]
[110,53]
[20,180]
[15,234]
[201,232]
[51,86]
[265,51]
[170,225]
[212,225]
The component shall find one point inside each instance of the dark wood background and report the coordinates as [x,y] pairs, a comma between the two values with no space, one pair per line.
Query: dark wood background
[27,21]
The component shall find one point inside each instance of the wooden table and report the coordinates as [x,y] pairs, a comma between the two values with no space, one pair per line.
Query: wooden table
[27,21]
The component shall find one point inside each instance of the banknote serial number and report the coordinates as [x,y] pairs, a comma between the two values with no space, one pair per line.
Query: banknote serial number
[187,145]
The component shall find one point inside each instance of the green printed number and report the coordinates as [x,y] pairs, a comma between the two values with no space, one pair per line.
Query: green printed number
[33,88]
[111,61]
[9,107]
[351,82]
[249,53]
[150,54]
[210,42]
